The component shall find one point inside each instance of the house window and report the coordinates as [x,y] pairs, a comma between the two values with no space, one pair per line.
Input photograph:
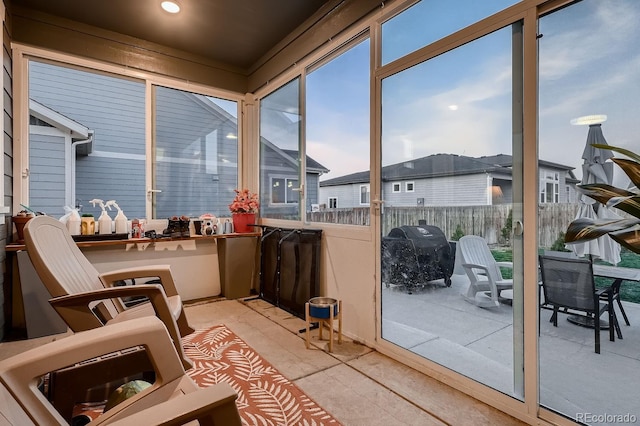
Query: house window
[549,187]
[364,194]
[408,186]
[284,191]
[396,187]
[333,202]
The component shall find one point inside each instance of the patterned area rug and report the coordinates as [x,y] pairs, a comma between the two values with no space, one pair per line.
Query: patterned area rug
[265,397]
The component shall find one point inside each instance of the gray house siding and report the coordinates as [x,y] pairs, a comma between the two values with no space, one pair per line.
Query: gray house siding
[183,126]
[114,109]
[47,173]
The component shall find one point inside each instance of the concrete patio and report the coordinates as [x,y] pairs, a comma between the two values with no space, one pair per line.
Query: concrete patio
[436,322]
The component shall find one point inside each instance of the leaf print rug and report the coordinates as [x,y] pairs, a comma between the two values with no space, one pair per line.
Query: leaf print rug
[265,397]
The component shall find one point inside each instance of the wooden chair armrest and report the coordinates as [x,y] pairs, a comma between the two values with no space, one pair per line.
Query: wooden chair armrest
[163,272]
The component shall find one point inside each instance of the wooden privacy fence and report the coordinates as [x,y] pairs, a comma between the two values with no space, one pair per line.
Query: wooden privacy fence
[490,222]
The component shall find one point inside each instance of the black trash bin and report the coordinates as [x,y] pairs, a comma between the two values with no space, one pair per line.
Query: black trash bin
[414,255]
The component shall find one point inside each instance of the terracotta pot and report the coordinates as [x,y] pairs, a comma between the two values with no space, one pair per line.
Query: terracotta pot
[242,222]
[19,222]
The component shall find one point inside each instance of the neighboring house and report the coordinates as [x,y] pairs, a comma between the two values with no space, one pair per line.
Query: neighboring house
[54,140]
[87,140]
[280,180]
[447,179]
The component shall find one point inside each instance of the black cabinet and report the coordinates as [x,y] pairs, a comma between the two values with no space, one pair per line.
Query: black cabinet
[290,267]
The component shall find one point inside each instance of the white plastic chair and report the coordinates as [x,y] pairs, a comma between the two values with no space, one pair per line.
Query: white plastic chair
[483,272]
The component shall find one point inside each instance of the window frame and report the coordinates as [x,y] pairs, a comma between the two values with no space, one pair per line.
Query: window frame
[396,187]
[286,179]
[22,54]
[410,184]
[366,193]
[335,202]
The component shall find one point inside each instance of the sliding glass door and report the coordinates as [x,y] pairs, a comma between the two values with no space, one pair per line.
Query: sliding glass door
[451,183]
[589,87]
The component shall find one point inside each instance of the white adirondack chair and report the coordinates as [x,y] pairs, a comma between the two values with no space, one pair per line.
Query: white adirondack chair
[486,281]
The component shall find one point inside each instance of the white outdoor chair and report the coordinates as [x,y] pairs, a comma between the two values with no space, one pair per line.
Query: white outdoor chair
[483,272]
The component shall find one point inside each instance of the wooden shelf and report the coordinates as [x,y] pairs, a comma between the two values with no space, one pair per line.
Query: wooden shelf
[102,243]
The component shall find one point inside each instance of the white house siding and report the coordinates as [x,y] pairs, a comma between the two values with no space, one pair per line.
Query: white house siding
[347,195]
[461,190]
[114,109]
[47,172]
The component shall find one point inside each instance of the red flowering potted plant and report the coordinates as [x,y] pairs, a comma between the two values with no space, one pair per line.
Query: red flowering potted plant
[243,210]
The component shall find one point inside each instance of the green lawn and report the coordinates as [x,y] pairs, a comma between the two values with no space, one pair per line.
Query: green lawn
[629,291]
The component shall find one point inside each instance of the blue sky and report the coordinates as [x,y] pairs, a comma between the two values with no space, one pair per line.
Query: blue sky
[589,64]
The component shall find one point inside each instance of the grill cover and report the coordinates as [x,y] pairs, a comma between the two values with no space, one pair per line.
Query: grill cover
[415,255]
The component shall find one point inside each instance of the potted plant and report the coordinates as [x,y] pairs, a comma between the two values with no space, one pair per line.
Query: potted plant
[625,231]
[244,208]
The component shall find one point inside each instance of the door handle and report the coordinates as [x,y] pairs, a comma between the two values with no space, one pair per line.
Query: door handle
[518,228]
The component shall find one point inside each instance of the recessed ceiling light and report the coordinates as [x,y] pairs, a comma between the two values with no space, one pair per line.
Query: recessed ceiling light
[170,6]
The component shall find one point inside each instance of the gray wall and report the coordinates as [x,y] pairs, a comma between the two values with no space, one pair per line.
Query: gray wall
[47,173]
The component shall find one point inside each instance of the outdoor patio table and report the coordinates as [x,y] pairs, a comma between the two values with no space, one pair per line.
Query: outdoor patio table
[618,274]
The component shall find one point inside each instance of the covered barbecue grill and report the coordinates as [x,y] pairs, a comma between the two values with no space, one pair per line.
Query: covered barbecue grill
[414,255]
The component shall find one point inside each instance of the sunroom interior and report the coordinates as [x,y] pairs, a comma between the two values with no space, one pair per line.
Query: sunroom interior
[350,119]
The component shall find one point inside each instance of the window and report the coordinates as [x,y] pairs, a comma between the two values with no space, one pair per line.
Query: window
[337,111]
[87,140]
[283,191]
[408,187]
[195,165]
[396,187]
[549,187]
[423,24]
[280,157]
[333,203]
[364,194]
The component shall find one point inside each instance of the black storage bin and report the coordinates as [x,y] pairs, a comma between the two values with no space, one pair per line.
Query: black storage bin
[415,255]
[290,267]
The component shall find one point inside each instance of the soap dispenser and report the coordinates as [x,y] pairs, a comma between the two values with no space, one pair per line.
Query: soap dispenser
[121,219]
[104,221]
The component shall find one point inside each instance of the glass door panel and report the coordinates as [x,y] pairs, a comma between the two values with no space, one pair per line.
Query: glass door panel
[589,86]
[451,171]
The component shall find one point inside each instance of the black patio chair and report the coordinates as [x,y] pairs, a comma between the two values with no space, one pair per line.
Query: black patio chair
[568,284]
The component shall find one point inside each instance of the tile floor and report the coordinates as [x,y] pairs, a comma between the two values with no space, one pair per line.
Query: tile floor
[357,385]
